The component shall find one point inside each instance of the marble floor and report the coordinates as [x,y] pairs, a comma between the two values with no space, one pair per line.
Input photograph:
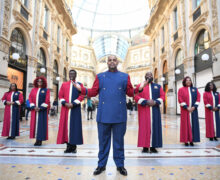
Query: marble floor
[19,159]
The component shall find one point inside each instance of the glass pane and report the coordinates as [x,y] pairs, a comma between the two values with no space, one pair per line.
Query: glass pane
[179,57]
[202,42]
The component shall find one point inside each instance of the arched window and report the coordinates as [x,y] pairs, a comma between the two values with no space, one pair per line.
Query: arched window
[202,42]
[64,75]
[41,63]
[18,46]
[155,75]
[41,57]
[17,42]
[179,58]
[55,72]
[165,67]
[165,72]
[55,67]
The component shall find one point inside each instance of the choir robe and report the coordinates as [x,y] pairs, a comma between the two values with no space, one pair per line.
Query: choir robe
[39,97]
[12,113]
[149,117]
[70,126]
[189,123]
[212,119]
[112,88]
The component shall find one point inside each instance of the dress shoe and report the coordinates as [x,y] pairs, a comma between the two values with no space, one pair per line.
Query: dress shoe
[191,144]
[145,150]
[211,139]
[186,144]
[215,138]
[70,148]
[99,170]
[12,137]
[38,143]
[153,150]
[9,137]
[122,171]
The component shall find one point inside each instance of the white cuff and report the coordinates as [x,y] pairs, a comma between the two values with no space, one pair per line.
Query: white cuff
[182,104]
[44,105]
[4,101]
[161,100]
[218,105]
[197,103]
[61,100]
[18,102]
[208,105]
[32,104]
[141,100]
[76,101]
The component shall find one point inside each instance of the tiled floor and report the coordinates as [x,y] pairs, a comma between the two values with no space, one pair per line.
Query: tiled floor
[19,159]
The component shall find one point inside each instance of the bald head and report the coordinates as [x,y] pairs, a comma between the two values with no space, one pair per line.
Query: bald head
[112,63]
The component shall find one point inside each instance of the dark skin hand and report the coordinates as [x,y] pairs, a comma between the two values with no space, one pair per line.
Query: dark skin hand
[148,76]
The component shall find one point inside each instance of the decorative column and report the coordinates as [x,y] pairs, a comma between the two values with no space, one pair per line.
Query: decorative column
[5,8]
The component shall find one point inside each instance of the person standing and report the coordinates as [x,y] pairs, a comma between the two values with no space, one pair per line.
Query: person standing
[112,87]
[40,104]
[12,101]
[130,106]
[149,116]
[27,108]
[212,105]
[70,126]
[189,99]
[89,108]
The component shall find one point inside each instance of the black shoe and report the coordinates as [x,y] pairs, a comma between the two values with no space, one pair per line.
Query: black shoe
[38,143]
[153,150]
[145,150]
[9,137]
[99,170]
[186,144]
[12,137]
[122,171]
[215,138]
[211,139]
[191,144]
[70,148]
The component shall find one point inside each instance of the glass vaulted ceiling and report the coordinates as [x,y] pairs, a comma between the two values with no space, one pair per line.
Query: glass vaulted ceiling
[108,25]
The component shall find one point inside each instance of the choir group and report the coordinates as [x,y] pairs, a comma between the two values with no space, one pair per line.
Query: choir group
[112,87]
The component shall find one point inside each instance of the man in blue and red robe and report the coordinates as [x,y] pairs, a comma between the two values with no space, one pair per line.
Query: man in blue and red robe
[149,116]
[70,127]
[112,87]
